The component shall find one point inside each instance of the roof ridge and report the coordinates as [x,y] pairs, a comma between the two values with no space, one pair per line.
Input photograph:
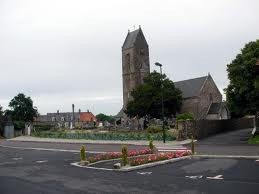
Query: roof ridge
[192,79]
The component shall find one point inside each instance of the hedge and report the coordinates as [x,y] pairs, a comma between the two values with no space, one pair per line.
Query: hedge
[102,136]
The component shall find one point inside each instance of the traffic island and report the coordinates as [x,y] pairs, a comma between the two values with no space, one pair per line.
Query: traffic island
[134,162]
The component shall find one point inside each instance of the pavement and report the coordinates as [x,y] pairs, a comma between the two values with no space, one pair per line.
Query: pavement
[47,172]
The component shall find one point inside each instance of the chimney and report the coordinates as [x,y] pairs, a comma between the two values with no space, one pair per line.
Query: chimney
[79,111]
[73,112]
[58,112]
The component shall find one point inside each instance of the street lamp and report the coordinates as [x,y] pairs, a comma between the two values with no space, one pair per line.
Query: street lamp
[162,99]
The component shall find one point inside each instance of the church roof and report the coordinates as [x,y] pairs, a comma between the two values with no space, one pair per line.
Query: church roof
[190,87]
[131,39]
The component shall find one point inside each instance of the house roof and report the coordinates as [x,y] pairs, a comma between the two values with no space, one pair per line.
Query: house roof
[215,108]
[87,116]
[190,87]
[131,39]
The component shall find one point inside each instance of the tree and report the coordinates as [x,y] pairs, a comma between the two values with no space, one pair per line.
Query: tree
[22,108]
[102,117]
[1,111]
[241,93]
[147,97]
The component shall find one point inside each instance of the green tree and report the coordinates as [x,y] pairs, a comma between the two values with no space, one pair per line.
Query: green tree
[102,117]
[1,111]
[242,95]
[147,97]
[22,108]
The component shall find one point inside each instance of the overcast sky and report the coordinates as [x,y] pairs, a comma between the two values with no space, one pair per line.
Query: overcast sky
[60,52]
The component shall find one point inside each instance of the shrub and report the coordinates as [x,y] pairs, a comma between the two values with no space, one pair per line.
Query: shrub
[154,129]
[42,127]
[103,136]
[184,116]
[192,145]
[151,146]
[82,153]
[19,125]
[124,152]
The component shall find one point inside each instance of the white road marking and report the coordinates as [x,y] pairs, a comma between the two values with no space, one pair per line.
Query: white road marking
[172,150]
[17,158]
[144,173]
[194,177]
[218,177]
[4,163]
[42,161]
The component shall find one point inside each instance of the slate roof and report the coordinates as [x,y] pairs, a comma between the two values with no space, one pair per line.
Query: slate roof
[215,108]
[190,87]
[131,39]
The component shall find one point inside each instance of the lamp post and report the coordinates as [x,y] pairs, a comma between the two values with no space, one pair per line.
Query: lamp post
[256,88]
[162,99]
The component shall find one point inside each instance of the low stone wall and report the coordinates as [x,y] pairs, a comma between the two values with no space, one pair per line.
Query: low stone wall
[203,128]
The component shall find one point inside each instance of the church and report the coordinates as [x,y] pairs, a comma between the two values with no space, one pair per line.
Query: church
[201,96]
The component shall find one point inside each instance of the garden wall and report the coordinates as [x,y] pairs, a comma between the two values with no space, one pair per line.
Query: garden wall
[203,128]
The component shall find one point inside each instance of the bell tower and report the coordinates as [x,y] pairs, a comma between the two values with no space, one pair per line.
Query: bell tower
[135,62]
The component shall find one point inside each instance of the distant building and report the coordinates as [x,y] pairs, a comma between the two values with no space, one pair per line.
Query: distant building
[202,98]
[67,117]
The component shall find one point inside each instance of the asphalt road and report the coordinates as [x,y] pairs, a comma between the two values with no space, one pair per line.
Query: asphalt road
[70,146]
[229,143]
[40,172]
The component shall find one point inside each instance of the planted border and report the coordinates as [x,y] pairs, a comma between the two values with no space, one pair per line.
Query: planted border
[118,155]
[159,157]
[102,136]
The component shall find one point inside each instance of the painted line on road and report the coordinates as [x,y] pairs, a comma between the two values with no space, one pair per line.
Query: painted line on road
[17,158]
[144,173]
[48,149]
[42,161]
[4,163]
[218,177]
[173,150]
[194,177]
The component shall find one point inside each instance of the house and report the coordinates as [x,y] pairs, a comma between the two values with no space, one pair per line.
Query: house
[68,119]
[202,98]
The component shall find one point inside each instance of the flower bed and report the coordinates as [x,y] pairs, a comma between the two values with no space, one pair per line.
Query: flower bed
[116,155]
[158,157]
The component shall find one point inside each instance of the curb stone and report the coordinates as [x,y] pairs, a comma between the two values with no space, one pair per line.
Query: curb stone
[127,169]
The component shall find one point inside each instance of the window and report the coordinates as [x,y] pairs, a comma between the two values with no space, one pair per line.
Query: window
[62,119]
[127,58]
[53,119]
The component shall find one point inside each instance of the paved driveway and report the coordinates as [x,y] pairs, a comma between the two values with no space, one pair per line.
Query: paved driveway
[229,143]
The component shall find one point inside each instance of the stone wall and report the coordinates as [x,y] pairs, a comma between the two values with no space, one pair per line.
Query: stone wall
[209,94]
[191,105]
[203,128]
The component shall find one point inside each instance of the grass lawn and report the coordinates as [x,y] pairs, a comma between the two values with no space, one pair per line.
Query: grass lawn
[254,140]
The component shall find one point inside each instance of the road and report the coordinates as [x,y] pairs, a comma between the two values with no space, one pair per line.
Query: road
[230,143]
[45,172]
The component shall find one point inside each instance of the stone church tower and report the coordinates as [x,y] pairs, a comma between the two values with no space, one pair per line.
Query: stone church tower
[135,62]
